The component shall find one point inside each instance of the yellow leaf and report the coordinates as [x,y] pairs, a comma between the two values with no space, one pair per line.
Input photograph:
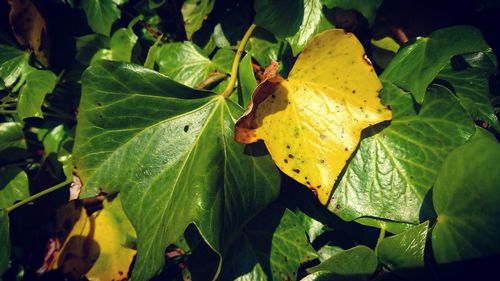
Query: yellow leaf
[311,122]
[96,246]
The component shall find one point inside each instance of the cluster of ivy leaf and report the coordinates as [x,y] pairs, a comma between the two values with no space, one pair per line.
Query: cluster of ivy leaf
[418,199]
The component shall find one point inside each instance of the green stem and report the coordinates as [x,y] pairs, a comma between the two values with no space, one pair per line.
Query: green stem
[381,237]
[234,70]
[212,79]
[4,111]
[39,194]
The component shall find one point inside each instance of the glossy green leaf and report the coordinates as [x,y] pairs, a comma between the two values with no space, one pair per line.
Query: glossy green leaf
[38,84]
[471,85]
[219,37]
[13,186]
[417,64]
[13,63]
[170,151]
[264,47]
[404,250]
[392,170]
[5,241]
[313,22]
[88,45]
[223,60]
[367,8]
[121,45]
[11,136]
[150,58]
[184,63]
[353,264]
[466,200]
[274,243]
[194,13]
[246,80]
[281,17]
[100,14]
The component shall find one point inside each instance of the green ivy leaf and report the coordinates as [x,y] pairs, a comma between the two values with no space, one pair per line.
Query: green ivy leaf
[5,241]
[223,60]
[13,186]
[194,13]
[272,248]
[121,45]
[392,171]
[356,263]
[11,136]
[471,85]
[466,200]
[264,47]
[246,81]
[88,45]
[172,60]
[13,64]
[417,64]
[313,22]
[38,84]
[367,8]
[281,17]
[390,226]
[101,14]
[404,250]
[170,151]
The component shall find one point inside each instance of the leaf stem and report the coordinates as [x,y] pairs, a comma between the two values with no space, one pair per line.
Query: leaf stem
[4,111]
[211,79]
[39,194]
[234,70]
[381,237]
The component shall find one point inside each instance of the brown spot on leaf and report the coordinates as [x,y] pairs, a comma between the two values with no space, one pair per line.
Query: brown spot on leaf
[296,170]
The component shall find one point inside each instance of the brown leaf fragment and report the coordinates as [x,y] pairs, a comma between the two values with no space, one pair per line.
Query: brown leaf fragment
[30,28]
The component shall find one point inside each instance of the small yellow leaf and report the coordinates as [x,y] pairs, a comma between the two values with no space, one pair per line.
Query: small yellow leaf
[96,246]
[311,122]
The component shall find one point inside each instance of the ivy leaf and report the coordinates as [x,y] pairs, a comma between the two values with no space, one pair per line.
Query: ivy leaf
[264,47]
[187,161]
[13,186]
[417,64]
[392,171]
[273,246]
[13,63]
[104,255]
[101,14]
[270,15]
[471,85]
[11,136]
[313,22]
[121,45]
[194,12]
[223,60]
[466,198]
[38,84]
[312,121]
[367,8]
[88,45]
[356,263]
[246,80]
[404,251]
[5,241]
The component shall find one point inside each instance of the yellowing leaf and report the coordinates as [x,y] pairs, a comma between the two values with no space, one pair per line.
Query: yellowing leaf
[97,244]
[312,121]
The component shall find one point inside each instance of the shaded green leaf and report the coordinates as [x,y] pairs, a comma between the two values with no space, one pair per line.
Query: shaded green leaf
[121,45]
[391,226]
[100,14]
[313,22]
[367,8]
[417,64]
[271,15]
[466,200]
[264,47]
[38,84]
[356,263]
[13,63]
[5,241]
[170,151]
[246,80]
[392,170]
[223,60]
[88,45]
[150,58]
[11,136]
[194,13]
[274,243]
[13,186]
[471,85]
[404,250]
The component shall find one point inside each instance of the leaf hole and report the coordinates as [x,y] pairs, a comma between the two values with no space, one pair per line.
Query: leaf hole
[186,128]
